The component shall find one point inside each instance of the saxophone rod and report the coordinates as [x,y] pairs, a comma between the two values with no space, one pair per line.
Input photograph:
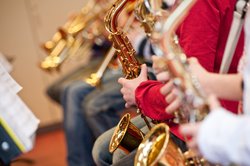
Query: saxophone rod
[112,50]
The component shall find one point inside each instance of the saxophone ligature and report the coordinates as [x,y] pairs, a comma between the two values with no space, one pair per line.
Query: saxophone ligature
[155,148]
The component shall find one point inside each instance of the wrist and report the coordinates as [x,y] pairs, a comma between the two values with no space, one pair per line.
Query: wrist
[206,82]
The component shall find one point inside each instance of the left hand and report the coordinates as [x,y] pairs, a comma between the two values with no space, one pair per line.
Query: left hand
[129,86]
[192,129]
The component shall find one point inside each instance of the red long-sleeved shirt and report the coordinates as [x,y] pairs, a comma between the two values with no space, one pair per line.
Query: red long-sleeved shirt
[203,34]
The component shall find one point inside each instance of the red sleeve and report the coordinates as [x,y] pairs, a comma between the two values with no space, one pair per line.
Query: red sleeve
[150,101]
[198,33]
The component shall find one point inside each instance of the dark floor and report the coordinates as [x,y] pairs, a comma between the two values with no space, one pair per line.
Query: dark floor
[49,150]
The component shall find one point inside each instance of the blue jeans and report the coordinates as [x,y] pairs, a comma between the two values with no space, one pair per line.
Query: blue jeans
[103,157]
[80,133]
[100,152]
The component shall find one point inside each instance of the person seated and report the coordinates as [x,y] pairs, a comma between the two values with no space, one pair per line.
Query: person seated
[229,129]
[194,34]
[89,111]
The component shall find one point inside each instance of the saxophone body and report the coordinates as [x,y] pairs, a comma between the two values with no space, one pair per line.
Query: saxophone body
[125,51]
[146,18]
[74,36]
[126,136]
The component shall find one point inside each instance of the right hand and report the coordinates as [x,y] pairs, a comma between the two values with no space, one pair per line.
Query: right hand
[171,93]
[192,129]
[160,69]
[129,86]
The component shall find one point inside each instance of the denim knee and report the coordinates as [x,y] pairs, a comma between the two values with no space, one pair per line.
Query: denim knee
[100,151]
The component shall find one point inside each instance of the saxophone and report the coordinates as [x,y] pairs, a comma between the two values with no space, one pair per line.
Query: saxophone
[126,52]
[157,148]
[126,135]
[194,105]
[146,18]
[95,78]
[74,36]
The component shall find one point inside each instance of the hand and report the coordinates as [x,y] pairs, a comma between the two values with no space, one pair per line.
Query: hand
[200,73]
[192,129]
[160,68]
[129,86]
[173,97]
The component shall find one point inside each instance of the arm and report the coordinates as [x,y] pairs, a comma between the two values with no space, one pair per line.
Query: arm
[198,36]
[151,102]
[224,86]
[145,94]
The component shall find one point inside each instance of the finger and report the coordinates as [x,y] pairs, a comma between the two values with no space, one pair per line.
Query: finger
[192,143]
[155,59]
[127,98]
[166,88]
[126,105]
[122,91]
[170,97]
[159,64]
[173,106]
[163,76]
[213,102]
[121,80]
[189,129]
[144,71]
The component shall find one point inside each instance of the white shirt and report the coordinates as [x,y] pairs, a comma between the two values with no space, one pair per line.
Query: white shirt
[247,69]
[223,137]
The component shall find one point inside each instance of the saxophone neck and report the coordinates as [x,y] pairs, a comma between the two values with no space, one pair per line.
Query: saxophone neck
[110,20]
[146,18]
[182,7]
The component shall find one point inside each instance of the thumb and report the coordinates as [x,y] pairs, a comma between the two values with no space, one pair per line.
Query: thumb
[144,71]
[121,80]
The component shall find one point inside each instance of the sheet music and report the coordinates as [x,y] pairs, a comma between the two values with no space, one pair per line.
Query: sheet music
[8,81]
[15,112]
[18,116]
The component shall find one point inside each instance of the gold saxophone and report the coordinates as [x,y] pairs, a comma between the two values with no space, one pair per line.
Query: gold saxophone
[194,106]
[157,148]
[73,36]
[125,50]
[126,136]
[146,18]
[95,78]
[55,47]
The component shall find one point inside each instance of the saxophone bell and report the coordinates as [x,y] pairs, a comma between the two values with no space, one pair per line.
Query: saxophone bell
[157,148]
[126,136]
